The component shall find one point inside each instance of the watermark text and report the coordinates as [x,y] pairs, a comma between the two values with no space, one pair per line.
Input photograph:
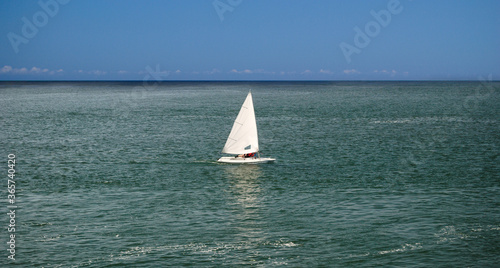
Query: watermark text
[30,28]
[11,198]
[223,6]
[372,29]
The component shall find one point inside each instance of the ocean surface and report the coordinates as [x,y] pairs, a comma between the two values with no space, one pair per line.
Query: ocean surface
[368,174]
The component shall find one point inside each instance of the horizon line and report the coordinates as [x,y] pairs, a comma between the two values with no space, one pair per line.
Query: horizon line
[231,81]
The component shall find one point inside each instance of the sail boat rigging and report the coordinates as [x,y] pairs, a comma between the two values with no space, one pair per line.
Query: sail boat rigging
[243,140]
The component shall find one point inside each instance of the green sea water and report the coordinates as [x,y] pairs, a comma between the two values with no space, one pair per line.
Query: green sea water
[368,174]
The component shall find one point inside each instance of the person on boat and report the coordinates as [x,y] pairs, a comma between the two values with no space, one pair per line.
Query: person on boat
[250,155]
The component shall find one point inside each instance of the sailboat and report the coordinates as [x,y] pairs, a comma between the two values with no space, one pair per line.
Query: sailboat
[243,141]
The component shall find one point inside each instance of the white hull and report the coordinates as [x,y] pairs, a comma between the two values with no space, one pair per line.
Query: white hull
[248,160]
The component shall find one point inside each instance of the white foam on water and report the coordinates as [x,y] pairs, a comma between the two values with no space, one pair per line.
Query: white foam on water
[404,248]
[46,238]
[448,234]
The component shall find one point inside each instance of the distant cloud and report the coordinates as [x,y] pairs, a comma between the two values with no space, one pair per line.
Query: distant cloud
[6,69]
[322,71]
[290,73]
[38,70]
[94,72]
[97,72]
[255,71]
[158,74]
[386,72]
[56,71]
[34,70]
[246,71]
[213,71]
[262,71]
[351,71]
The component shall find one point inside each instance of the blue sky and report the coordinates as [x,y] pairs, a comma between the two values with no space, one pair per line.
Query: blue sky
[249,40]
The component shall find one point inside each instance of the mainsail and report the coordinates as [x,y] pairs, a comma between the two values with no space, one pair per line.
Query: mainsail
[243,138]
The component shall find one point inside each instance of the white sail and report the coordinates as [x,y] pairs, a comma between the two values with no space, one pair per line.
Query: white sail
[243,138]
